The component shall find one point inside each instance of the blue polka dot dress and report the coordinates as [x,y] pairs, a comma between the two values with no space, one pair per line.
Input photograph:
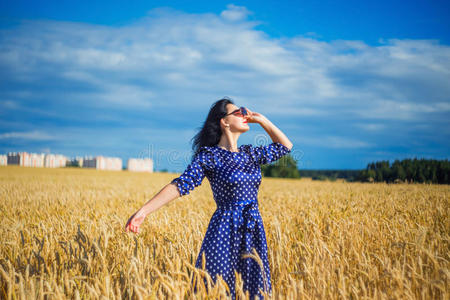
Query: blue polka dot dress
[236,226]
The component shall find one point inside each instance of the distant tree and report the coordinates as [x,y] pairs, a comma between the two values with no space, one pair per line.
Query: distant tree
[379,175]
[371,175]
[285,167]
[72,164]
[348,175]
[397,171]
[409,170]
[319,177]
[401,174]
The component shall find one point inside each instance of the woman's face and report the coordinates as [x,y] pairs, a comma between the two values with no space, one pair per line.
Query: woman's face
[236,121]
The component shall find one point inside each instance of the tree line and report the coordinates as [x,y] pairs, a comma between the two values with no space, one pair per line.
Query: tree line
[332,175]
[407,170]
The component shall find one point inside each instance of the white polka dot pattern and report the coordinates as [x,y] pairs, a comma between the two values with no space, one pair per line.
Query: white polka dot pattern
[270,153]
[195,172]
[236,226]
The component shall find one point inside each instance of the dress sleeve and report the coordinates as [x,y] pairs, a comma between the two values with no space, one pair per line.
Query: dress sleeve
[194,173]
[269,153]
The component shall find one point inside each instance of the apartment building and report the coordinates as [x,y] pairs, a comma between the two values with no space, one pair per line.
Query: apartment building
[140,165]
[3,160]
[103,163]
[55,161]
[25,159]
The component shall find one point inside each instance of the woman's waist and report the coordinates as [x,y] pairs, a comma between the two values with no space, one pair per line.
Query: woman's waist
[234,204]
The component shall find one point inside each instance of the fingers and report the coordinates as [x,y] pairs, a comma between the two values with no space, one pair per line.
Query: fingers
[132,228]
[128,226]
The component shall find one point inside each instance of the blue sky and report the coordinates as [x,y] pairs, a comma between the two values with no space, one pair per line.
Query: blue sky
[349,83]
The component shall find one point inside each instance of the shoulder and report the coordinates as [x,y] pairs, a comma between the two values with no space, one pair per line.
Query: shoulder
[206,150]
[206,156]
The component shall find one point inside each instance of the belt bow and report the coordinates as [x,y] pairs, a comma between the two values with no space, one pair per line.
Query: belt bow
[244,218]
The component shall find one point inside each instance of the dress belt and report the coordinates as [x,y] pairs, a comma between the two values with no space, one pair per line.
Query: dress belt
[242,213]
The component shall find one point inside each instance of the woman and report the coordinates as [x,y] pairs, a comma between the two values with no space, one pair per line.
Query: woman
[234,173]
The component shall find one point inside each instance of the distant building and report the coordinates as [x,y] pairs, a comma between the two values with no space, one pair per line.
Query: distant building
[3,160]
[89,162]
[25,159]
[55,161]
[103,163]
[75,162]
[80,161]
[14,158]
[140,165]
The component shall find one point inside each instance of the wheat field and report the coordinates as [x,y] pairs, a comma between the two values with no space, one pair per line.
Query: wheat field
[62,237]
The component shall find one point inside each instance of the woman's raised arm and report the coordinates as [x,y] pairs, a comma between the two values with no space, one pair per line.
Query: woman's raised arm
[273,131]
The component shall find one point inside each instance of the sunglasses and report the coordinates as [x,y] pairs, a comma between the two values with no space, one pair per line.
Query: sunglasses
[240,112]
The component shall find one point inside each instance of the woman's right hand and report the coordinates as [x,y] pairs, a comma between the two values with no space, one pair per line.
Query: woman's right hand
[135,221]
[254,117]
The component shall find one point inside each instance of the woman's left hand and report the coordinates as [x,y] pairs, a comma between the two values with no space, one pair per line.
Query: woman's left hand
[135,221]
[254,117]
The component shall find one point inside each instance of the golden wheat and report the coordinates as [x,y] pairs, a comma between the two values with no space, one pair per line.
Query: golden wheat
[62,238]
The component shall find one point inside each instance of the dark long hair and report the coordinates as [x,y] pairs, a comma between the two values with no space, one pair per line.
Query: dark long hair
[210,132]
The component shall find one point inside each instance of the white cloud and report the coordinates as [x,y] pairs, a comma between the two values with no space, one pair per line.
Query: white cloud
[336,142]
[296,111]
[397,110]
[173,52]
[45,150]
[235,13]
[9,104]
[372,126]
[35,135]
